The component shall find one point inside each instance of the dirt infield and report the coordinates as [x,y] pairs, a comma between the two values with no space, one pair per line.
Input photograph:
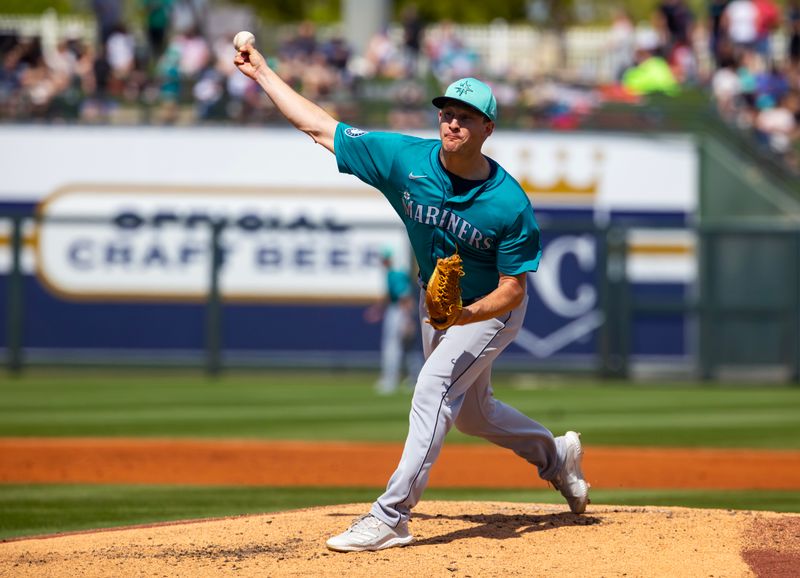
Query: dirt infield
[452,539]
[94,460]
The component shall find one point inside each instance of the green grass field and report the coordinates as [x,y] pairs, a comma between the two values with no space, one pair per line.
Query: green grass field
[342,406]
[39,509]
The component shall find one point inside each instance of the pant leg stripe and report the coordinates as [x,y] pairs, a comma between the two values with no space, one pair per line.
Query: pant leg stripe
[436,422]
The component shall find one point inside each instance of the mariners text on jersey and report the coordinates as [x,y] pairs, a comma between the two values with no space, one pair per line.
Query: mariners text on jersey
[444,219]
[491,224]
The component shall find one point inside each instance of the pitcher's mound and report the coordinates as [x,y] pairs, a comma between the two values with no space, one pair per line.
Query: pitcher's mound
[452,539]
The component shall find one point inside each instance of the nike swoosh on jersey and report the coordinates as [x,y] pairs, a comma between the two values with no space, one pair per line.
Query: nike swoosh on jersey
[414,177]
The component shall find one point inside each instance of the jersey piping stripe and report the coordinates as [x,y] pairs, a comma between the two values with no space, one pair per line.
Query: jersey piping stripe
[438,411]
[436,164]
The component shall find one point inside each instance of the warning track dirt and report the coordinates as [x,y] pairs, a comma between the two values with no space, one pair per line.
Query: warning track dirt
[336,464]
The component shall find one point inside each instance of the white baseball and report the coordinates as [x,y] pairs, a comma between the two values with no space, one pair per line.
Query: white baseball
[242,38]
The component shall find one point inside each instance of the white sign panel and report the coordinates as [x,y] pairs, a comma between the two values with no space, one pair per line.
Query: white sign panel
[156,243]
[611,172]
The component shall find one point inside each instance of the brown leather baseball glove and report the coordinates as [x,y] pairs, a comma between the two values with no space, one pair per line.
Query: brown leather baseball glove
[443,294]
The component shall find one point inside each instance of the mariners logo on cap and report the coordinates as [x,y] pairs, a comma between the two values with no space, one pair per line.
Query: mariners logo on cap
[464,88]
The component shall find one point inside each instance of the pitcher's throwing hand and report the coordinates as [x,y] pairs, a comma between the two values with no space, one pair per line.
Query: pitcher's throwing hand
[249,61]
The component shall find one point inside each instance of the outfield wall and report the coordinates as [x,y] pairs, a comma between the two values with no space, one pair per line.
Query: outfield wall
[118,264]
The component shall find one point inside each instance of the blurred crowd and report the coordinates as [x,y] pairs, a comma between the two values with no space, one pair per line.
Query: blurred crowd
[751,88]
[752,49]
[172,70]
[172,67]
[171,61]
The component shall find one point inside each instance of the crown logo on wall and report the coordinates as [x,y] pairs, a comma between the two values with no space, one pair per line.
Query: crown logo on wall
[562,185]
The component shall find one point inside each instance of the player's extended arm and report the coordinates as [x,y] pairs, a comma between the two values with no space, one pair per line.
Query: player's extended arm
[509,294]
[298,110]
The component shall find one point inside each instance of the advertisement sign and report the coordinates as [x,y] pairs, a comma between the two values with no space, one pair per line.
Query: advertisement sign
[125,217]
[276,245]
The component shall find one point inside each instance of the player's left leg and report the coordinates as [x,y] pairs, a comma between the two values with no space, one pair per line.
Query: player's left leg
[558,459]
[484,416]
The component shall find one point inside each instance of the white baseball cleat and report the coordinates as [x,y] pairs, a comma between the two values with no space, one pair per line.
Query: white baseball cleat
[369,533]
[569,480]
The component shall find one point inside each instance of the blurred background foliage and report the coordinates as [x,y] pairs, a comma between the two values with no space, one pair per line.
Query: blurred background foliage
[548,13]
[38,6]
[541,12]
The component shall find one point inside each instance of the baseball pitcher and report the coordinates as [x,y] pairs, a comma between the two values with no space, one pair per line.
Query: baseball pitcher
[475,238]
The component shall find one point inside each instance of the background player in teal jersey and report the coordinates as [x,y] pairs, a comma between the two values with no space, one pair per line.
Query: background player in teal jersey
[450,198]
[397,311]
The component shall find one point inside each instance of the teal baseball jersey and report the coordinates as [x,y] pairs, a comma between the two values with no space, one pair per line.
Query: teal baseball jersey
[492,226]
[398,285]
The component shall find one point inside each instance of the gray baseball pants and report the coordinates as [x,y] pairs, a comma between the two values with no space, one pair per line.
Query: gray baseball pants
[454,387]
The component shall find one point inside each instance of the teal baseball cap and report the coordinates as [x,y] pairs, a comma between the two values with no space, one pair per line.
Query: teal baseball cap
[473,93]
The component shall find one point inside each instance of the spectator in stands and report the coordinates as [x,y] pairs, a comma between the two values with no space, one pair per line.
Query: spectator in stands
[750,66]
[62,63]
[120,53]
[769,20]
[34,88]
[675,25]
[189,15]
[168,75]
[726,89]
[772,84]
[675,21]
[158,15]
[740,23]
[64,68]
[622,45]
[793,32]
[651,73]
[717,42]
[337,54]
[743,109]
[96,105]
[413,27]
[318,79]
[297,52]
[208,93]
[84,68]
[384,58]
[449,57]
[194,52]
[303,44]
[776,125]
[108,14]
[10,82]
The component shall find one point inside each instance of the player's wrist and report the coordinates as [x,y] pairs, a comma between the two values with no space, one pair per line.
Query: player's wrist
[465,316]
[261,74]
